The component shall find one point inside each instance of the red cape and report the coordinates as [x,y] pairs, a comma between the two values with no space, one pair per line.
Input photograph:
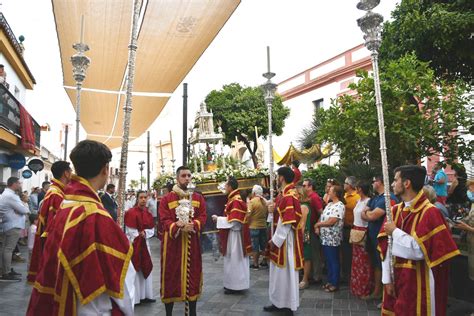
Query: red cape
[140,220]
[181,262]
[236,210]
[289,210]
[86,255]
[50,205]
[427,226]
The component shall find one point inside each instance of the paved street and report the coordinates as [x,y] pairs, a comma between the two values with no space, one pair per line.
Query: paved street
[14,297]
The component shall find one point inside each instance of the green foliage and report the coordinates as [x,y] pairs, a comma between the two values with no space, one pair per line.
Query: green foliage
[437,31]
[240,109]
[420,117]
[321,174]
[308,134]
[134,184]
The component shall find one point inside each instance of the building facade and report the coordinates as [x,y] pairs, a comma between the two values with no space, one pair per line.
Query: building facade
[19,132]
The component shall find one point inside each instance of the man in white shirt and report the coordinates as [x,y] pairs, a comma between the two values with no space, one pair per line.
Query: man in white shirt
[12,211]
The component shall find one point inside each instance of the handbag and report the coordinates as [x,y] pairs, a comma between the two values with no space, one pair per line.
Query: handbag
[358,237]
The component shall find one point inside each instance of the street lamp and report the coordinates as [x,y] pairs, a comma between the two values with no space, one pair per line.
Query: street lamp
[269,89]
[371,25]
[141,163]
[80,63]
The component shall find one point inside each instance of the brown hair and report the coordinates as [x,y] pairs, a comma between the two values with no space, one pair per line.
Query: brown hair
[339,192]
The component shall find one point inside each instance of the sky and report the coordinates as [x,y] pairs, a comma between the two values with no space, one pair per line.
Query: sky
[300,33]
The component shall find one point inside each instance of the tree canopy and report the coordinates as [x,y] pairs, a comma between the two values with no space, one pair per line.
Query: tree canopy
[421,118]
[437,31]
[240,109]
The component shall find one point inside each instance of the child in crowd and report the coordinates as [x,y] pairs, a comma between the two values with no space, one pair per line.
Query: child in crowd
[31,234]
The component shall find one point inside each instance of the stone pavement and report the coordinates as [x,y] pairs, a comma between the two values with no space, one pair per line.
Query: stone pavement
[14,297]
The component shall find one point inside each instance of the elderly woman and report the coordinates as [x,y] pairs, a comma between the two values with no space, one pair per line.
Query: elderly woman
[467,224]
[257,208]
[329,228]
[431,196]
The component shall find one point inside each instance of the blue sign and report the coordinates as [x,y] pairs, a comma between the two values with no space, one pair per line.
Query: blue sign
[16,161]
[26,174]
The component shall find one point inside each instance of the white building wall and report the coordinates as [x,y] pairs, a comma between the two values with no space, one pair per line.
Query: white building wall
[13,80]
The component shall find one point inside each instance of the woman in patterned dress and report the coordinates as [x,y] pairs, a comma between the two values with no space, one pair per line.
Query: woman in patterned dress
[362,281]
[329,228]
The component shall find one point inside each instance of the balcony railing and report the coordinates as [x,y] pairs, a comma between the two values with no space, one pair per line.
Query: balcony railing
[10,115]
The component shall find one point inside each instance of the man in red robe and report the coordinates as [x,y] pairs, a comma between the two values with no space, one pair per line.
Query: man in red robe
[422,248]
[234,237]
[286,247]
[139,227]
[49,206]
[85,266]
[181,262]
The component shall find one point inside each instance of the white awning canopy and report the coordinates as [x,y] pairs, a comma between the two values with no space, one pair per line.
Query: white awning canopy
[173,35]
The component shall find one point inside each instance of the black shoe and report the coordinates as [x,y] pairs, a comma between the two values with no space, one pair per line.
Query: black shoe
[264,264]
[147,300]
[230,292]
[271,308]
[13,272]
[9,278]
[253,267]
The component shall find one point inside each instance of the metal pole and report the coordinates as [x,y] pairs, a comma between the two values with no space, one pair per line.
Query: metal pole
[269,89]
[371,25]
[127,109]
[80,63]
[66,132]
[78,109]
[148,161]
[185,123]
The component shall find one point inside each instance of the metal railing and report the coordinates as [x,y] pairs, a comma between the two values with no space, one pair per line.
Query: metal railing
[10,115]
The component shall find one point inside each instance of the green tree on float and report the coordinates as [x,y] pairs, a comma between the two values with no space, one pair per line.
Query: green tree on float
[423,117]
[239,109]
[437,31]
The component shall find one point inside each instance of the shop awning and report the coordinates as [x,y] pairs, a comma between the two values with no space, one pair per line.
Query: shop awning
[173,35]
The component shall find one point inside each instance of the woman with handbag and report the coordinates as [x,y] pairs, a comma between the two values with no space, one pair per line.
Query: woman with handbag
[362,274]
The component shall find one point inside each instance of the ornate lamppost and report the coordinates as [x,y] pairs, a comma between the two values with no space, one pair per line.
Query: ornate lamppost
[269,89]
[80,63]
[127,109]
[141,163]
[371,25]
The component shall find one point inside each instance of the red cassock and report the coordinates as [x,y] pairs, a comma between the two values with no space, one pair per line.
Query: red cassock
[425,223]
[49,206]
[86,254]
[180,280]
[236,211]
[289,210]
[140,219]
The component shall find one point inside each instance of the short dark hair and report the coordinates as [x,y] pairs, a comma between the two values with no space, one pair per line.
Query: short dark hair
[12,180]
[339,191]
[59,167]
[32,217]
[364,186]
[287,174]
[416,175]
[296,163]
[378,178]
[45,183]
[110,186]
[89,157]
[310,182]
[232,182]
[181,168]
